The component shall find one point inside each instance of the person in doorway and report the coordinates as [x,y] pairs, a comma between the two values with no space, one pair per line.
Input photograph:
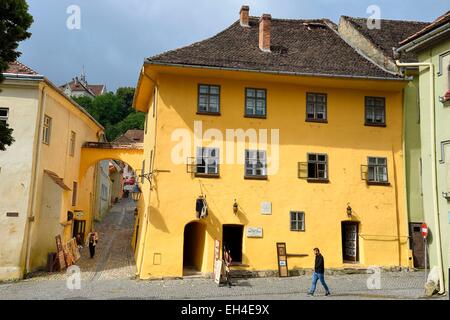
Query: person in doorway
[318,274]
[227,261]
[79,242]
[92,240]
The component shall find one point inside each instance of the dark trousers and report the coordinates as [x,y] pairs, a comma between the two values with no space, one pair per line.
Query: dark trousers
[227,278]
[92,250]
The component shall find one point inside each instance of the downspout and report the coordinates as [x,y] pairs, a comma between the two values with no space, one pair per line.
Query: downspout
[435,197]
[153,160]
[35,173]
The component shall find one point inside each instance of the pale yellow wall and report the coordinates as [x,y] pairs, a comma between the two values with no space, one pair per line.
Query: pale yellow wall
[345,139]
[16,172]
[55,157]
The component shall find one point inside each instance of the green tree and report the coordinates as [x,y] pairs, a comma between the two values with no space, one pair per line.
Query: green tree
[114,111]
[14,23]
[6,138]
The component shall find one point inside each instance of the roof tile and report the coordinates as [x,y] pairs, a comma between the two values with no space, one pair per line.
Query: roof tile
[297,46]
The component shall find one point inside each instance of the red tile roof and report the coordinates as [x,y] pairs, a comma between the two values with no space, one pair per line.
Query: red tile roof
[297,46]
[435,24]
[19,68]
[391,32]
[131,136]
[94,89]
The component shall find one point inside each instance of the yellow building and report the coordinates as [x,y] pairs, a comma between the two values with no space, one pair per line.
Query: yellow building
[326,170]
[40,187]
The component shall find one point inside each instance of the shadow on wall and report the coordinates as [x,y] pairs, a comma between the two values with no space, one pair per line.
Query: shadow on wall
[157,219]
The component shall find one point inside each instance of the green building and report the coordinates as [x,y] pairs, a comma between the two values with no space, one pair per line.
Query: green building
[432,47]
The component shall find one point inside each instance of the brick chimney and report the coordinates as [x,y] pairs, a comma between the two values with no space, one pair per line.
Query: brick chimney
[264,32]
[244,13]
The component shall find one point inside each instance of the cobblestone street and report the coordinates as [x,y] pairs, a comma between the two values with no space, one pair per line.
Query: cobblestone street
[111,275]
[114,258]
[393,286]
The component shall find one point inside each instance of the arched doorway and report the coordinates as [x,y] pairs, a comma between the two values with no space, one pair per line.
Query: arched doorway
[193,247]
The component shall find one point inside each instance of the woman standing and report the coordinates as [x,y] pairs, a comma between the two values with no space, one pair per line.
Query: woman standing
[92,239]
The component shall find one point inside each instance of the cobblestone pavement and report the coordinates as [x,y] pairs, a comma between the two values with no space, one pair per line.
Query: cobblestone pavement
[401,285]
[114,257]
[111,275]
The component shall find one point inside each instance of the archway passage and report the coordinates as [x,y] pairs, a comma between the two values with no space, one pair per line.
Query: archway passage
[93,152]
[193,248]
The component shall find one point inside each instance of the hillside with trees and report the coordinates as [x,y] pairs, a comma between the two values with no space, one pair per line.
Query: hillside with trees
[114,111]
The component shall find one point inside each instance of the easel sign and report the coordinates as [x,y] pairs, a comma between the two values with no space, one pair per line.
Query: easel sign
[218,270]
[60,253]
[216,250]
[282,259]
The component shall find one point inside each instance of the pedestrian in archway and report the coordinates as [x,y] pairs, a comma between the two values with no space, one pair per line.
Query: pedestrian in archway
[319,274]
[227,260]
[92,240]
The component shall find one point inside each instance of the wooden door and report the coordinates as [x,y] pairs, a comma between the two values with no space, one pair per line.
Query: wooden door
[350,245]
[417,245]
[79,227]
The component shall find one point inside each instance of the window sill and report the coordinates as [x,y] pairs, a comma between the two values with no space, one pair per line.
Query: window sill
[318,180]
[254,116]
[374,183]
[207,175]
[368,124]
[205,113]
[255,177]
[316,120]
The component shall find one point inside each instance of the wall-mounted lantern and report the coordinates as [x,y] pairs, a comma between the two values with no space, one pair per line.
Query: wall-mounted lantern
[349,210]
[235,207]
[136,193]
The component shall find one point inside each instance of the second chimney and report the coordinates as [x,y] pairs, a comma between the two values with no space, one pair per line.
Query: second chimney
[244,13]
[264,32]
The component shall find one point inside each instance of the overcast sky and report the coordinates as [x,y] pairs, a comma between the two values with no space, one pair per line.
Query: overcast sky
[116,35]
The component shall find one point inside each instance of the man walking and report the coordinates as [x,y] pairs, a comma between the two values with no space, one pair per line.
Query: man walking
[319,274]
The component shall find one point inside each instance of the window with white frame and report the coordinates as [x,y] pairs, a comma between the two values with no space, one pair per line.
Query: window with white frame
[4,114]
[73,137]
[255,163]
[316,107]
[255,102]
[207,161]
[297,221]
[208,98]
[375,110]
[317,166]
[377,170]
[47,128]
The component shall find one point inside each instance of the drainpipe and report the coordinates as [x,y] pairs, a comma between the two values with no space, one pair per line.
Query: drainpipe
[437,234]
[35,174]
